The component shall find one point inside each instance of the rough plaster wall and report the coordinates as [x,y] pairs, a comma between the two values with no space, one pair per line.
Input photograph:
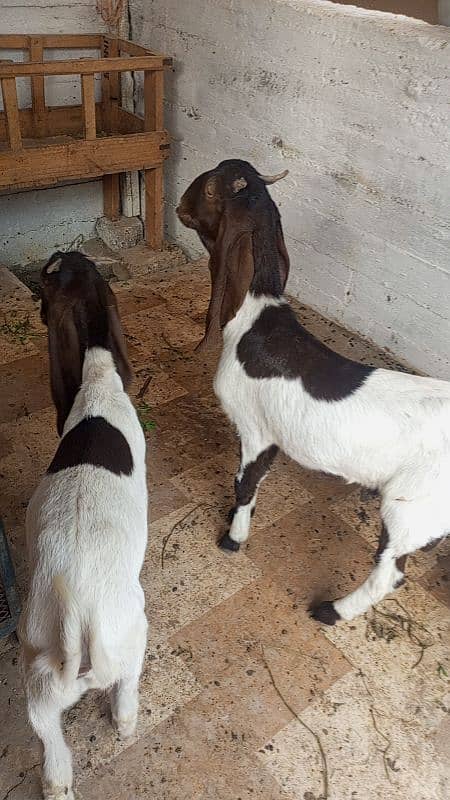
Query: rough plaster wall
[32,224]
[354,103]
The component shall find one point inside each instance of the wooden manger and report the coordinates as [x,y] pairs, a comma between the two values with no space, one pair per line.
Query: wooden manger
[43,146]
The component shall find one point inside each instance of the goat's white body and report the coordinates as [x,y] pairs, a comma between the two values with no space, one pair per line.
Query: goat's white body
[86,536]
[391,434]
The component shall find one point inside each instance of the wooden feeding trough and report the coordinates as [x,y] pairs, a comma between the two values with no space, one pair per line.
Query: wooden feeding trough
[45,145]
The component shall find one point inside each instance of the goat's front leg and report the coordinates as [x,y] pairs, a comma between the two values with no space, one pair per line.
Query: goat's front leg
[255,464]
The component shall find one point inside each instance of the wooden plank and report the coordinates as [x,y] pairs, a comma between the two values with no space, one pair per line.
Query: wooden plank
[114,88]
[128,122]
[39,166]
[75,41]
[134,49]
[81,66]
[65,120]
[111,196]
[153,101]
[9,93]
[88,101]
[14,41]
[37,87]
[154,214]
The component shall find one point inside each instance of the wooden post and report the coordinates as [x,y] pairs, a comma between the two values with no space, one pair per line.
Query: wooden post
[37,88]
[111,183]
[9,92]
[154,189]
[88,102]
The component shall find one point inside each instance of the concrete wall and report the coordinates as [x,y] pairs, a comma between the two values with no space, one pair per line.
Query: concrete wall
[354,103]
[33,224]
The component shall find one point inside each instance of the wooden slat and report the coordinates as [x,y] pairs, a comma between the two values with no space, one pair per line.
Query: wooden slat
[114,87]
[111,196]
[128,122]
[153,101]
[66,120]
[134,49]
[75,41]
[14,41]
[154,207]
[37,87]
[9,93]
[39,166]
[81,66]
[88,101]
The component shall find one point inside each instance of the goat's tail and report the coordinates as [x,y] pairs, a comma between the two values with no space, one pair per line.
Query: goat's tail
[73,637]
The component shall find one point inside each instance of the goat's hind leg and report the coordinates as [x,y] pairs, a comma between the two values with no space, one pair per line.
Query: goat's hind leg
[46,701]
[387,575]
[256,461]
[125,693]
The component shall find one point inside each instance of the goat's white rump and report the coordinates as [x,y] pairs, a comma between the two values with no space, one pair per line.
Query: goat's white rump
[392,433]
[84,623]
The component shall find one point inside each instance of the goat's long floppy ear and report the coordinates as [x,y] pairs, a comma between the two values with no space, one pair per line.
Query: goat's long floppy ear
[231,267]
[65,366]
[118,344]
[283,257]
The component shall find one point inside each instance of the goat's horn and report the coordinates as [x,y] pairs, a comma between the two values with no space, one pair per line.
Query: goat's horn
[54,266]
[274,178]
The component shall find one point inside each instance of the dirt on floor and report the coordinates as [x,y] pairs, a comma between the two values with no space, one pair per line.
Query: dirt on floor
[243,696]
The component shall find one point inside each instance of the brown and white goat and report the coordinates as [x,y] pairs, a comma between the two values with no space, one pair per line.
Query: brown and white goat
[84,624]
[283,389]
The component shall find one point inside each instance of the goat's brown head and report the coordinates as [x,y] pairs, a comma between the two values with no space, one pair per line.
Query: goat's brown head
[80,311]
[239,224]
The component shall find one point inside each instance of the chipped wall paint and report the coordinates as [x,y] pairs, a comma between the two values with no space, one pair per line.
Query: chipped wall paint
[33,224]
[354,103]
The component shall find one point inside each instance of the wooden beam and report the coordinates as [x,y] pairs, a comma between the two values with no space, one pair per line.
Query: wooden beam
[14,41]
[81,66]
[111,196]
[35,167]
[9,93]
[88,103]
[37,87]
[153,101]
[154,216]
[134,49]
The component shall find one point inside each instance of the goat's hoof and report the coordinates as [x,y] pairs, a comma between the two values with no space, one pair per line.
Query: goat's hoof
[325,612]
[126,728]
[226,543]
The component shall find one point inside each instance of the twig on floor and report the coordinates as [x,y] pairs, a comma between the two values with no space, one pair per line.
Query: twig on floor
[404,622]
[180,526]
[144,387]
[387,763]
[316,737]
[16,785]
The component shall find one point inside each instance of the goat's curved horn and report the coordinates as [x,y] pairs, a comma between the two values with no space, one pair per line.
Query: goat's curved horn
[268,179]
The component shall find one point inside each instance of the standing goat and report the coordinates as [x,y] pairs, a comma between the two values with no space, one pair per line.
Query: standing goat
[283,389]
[84,624]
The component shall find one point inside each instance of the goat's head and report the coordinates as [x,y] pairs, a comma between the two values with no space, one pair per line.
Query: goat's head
[239,224]
[80,311]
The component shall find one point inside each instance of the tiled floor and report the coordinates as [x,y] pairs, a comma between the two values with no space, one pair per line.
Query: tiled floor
[243,696]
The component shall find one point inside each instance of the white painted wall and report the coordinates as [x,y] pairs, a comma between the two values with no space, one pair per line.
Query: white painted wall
[355,104]
[33,224]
